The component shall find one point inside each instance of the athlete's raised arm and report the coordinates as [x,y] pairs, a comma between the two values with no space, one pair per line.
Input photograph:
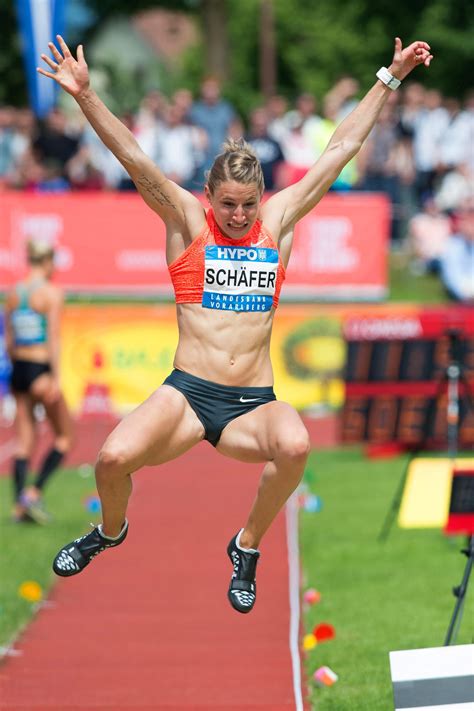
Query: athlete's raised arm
[288,206]
[166,198]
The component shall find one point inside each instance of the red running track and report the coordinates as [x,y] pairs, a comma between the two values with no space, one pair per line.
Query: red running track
[147,627]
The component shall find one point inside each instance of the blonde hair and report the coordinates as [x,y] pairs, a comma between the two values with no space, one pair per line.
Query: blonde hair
[38,250]
[237,162]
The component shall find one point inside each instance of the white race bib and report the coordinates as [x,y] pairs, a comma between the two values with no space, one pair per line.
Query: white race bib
[239,278]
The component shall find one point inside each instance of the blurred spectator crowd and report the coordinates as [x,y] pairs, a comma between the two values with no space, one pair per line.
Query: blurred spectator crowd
[420,154]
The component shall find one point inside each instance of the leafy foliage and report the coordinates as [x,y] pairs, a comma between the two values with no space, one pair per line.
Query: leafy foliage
[333,37]
[319,42]
[316,43]
[106,8]
[450,27]
[12,85]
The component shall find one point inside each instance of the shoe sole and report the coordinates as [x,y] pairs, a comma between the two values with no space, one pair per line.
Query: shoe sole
[237,609]
[243,611]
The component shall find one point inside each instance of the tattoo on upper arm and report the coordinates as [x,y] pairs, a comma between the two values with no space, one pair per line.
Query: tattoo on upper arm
[154,189]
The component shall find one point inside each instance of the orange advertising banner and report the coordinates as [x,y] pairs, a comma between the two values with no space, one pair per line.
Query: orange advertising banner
[113,356]
[112,243]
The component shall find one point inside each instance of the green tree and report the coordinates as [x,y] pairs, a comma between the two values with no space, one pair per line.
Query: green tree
[13,82]
[450,27]
[316,43]
[332,37]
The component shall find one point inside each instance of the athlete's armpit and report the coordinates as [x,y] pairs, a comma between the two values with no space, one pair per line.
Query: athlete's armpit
[155,191]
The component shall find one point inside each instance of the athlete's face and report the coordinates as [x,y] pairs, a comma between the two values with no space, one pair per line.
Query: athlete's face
[235,207]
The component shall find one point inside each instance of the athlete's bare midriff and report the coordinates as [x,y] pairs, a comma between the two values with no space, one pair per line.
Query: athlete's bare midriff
[230,348]
[35,354]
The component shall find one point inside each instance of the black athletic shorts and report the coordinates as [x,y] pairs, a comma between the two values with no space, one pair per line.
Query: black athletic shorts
[25,372]
[217,405]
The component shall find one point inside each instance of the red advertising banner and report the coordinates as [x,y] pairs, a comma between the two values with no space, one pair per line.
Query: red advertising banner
[113,243]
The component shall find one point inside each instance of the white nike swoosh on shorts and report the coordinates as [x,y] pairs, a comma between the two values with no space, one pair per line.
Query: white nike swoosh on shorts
[249,399]
[255,244]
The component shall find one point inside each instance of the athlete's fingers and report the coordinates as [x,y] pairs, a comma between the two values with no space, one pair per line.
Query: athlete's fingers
[428,59]
[80,53]
[64,47]
[49,61]
[45,73]
[55,52]
[398,47]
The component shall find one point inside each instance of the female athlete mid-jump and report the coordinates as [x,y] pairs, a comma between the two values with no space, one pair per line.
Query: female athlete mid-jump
[227,265]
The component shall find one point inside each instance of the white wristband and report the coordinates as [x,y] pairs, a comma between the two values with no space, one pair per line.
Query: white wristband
[388,79]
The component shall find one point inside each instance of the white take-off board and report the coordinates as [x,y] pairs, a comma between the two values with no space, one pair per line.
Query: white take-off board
[434,679]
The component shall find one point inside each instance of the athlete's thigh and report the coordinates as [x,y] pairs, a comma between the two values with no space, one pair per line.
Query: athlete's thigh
[160,429]
[56,409]
[59,416]
[40,387]
[256,436]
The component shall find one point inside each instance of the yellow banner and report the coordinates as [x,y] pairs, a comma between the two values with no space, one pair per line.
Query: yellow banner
[113,357]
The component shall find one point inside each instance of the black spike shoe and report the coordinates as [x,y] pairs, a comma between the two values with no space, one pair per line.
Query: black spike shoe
[243,587]
[76,555]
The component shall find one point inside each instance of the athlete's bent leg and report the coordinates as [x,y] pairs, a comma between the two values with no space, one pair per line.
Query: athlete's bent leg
[279,479]
[159,430]
[273,433]
[276,434]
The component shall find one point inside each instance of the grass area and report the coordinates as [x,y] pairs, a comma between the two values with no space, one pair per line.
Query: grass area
[379,596]
[406,286]
[28,549]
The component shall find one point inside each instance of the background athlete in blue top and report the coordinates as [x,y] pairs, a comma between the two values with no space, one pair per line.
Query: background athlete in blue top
[32,320]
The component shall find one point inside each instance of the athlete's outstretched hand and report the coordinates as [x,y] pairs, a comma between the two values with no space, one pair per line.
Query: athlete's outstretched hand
[405,60]
[71,74]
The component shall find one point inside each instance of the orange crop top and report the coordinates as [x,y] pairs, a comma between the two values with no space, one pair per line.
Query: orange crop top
[228,274]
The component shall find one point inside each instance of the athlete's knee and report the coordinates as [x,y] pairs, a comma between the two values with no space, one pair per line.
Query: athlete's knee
[294,445]
[113,457]
[40,388]
[63,443]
